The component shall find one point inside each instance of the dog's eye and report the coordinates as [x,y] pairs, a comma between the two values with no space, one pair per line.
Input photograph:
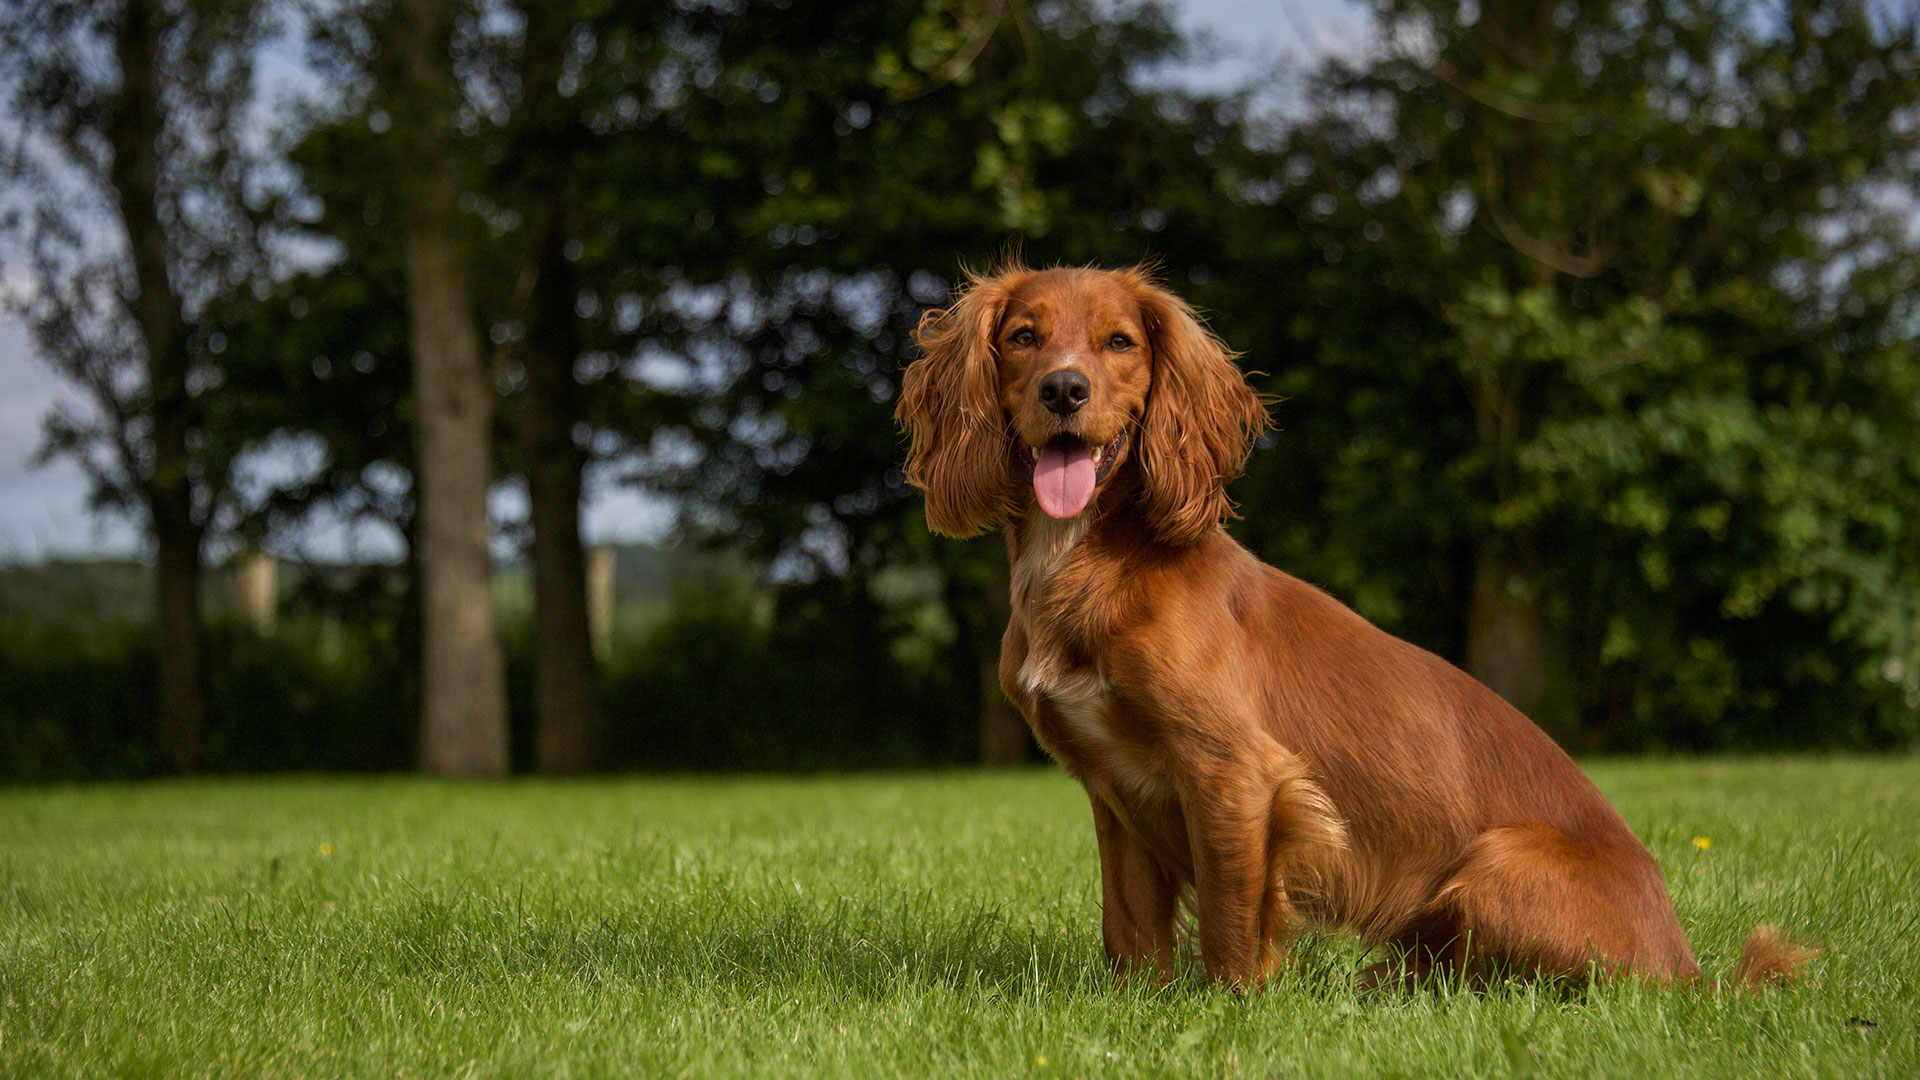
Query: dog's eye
[1023,337]
[1119,343]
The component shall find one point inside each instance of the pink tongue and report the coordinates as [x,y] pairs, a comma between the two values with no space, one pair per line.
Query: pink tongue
[1063,480]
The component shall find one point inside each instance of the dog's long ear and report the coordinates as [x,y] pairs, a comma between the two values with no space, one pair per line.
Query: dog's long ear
[1201,420]
[950,408]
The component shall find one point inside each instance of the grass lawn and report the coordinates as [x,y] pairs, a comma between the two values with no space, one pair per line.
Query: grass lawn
[891,925]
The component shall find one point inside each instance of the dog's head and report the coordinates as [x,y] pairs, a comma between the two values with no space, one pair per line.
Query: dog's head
[1038,386]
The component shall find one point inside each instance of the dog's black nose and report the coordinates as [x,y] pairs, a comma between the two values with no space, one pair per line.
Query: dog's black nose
[1065,391]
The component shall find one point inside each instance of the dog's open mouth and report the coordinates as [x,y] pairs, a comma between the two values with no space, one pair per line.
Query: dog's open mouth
[1066,471]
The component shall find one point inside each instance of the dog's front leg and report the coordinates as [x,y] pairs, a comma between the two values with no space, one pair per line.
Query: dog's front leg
[1137,899]
[1227,824]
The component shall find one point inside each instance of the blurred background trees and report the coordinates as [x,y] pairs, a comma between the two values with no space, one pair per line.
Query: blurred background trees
[125,183]
[1593,326]
[1655,266]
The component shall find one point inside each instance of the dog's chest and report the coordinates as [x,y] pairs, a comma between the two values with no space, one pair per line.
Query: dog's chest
[1074,708]
[1084,724]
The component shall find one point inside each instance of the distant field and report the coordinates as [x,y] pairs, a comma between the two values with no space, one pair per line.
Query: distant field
[897,925]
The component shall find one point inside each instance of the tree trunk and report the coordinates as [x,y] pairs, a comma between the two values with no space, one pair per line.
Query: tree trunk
[1509,646]
[569,720]
[409,635]
[180,659]
[135,130]
[1509,641]
[463,730]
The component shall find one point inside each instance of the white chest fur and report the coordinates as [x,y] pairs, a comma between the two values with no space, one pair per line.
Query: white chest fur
[1085,704]
[1078,694]
[1047,672]
[1048,543]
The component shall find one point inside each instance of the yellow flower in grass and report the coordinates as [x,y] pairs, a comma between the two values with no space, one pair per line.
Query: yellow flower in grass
[326,850]
[1702,843]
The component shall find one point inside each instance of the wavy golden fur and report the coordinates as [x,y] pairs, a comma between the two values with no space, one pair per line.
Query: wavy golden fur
[1248,744]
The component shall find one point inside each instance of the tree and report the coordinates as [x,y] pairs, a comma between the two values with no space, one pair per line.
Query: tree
[715,232]
[1635,272]
[463,707]
[548,144]
[316,372]
[133,115]
[336,371]
[568,718]
[839,162]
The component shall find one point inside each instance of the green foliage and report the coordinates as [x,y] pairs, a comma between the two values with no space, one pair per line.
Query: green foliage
[710,669]
[79,698]
[840,165]
[736,676]
[1626,289]
[830,217]
[759,204]
[877,926]
[76,701]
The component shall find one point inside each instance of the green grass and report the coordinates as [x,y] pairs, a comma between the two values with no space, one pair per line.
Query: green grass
[901,925]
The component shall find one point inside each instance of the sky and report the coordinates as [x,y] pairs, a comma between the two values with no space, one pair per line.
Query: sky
[43,507]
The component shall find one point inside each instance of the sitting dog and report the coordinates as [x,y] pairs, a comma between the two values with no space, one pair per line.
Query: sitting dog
[1250,746]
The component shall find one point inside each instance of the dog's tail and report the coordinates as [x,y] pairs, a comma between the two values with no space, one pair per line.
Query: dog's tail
[1770,958]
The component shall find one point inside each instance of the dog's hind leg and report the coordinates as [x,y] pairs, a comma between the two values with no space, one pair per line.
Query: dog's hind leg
[1303,835]
[1421,957]
[1527,900]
